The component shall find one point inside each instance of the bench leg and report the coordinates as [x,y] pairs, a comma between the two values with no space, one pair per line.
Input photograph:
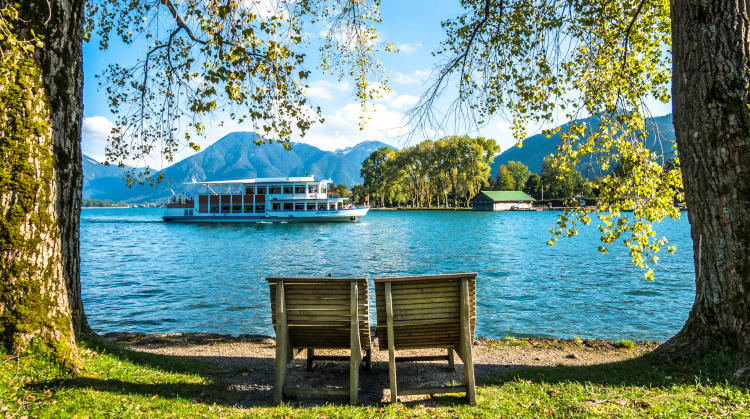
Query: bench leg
[391,347]
[282,344]
[354,378]
[451,363]
[280,375]
[368,359]
[310,356]
[466,343]
[355,346]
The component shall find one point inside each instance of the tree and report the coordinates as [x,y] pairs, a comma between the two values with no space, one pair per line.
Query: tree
[339,191]
[532,186]
[712,124]
[457,166]
[40,184]
[561,184]
[202,56]
[604,58]
[374,175]
[504,180]
[358,194]
[519,172]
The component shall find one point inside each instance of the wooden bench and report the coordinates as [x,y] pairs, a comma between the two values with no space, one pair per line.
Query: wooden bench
[320,313]
[437,311]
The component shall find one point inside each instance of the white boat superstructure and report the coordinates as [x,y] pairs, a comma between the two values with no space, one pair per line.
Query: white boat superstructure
[287,199]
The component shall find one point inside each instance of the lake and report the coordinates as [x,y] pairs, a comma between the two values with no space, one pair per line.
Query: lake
[140,274]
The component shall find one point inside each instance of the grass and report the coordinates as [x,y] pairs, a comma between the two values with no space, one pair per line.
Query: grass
[625,343]
[122,383]
[512,341]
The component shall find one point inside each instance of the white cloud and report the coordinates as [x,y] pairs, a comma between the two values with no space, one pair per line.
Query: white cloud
[95,131]
[404,101]
[341,128]
[409,49]
[97,126]
[416,77]
[322,89]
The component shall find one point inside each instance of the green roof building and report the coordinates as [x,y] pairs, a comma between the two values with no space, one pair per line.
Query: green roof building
[502,201]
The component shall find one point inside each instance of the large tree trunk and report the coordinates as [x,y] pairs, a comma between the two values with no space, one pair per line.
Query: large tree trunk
[711,55]
[40,186]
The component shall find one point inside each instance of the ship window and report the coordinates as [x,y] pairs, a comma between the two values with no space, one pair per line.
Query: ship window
[248,207]
[249,190]
[287,188]
[226,204]
[260,208]
[299,206]
[261,190]
[203,203]
[214,208]
[276,206]
[321,206]
[313,188]
[236,203]
[311,206]
[288,206]
[274,189]
[299,188]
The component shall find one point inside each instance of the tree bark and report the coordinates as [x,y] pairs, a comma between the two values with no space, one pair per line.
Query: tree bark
[711,102]
[40,197]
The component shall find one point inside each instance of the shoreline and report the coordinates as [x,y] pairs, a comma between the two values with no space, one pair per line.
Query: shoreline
[244,364]
[420,209]
[174,338]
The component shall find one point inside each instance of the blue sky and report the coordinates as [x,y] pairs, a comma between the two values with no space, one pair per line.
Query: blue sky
[414,26]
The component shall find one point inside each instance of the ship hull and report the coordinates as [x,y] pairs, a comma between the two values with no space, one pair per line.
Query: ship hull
[343,215]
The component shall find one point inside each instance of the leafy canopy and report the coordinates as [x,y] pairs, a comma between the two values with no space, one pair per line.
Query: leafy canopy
[535,61]
[431,171]
[244,59]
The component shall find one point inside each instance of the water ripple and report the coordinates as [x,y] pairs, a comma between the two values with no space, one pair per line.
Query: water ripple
[140,274]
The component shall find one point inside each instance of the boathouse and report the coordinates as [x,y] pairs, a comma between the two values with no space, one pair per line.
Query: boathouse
[502,201]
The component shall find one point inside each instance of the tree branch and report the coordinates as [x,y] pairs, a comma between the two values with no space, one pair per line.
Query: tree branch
[627,33]
[180,23]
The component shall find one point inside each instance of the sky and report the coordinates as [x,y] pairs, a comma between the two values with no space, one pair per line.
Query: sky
[414,26]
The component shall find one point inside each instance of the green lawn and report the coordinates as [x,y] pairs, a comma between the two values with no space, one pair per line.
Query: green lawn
[120,383]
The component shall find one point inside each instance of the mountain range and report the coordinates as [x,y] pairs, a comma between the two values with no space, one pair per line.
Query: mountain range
[234,156]
[537,147]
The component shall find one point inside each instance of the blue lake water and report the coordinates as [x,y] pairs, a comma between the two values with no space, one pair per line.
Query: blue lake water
[141,274]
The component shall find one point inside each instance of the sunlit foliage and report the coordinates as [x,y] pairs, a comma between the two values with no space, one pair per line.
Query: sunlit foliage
[544,60]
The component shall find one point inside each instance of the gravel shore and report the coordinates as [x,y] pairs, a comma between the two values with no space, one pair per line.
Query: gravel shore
[245,364]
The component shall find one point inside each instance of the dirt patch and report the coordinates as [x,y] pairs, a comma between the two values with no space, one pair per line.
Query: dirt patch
[245,363]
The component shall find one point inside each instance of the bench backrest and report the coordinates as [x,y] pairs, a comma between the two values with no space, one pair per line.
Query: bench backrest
[426,310]
[319,311]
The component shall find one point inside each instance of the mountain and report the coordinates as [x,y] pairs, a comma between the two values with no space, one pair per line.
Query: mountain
[234,156]
[537,147]
[100,179]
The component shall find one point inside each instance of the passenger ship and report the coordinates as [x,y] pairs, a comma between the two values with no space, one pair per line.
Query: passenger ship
[288,199]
